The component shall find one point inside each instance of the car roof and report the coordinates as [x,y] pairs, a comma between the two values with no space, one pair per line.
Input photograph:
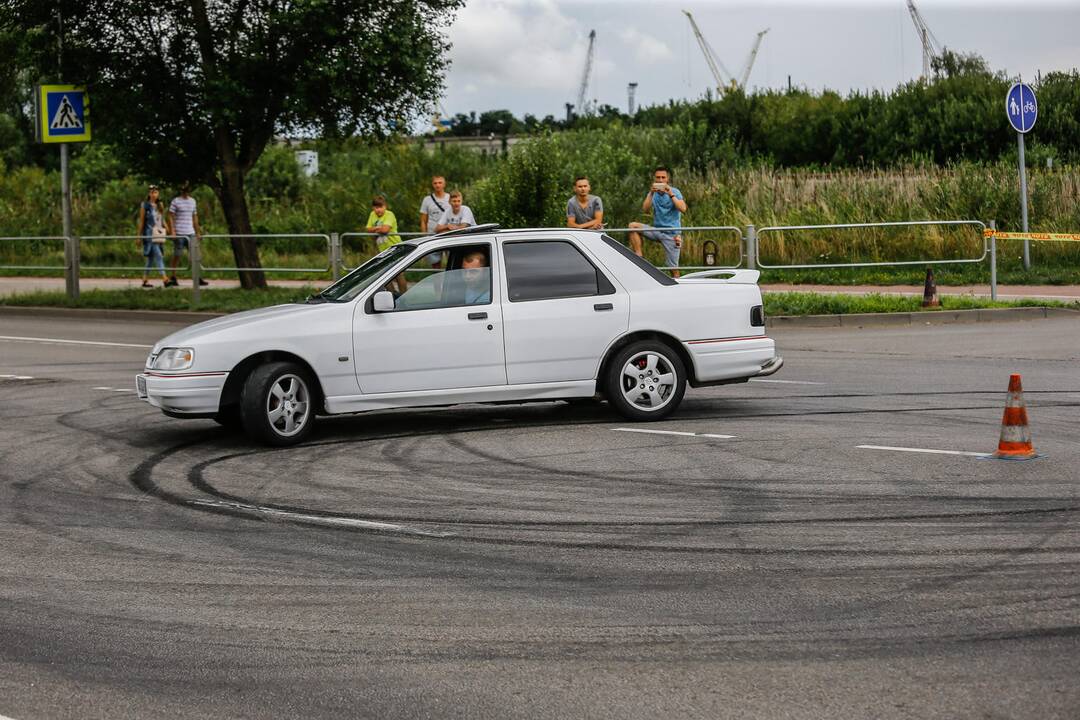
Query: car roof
[492,229]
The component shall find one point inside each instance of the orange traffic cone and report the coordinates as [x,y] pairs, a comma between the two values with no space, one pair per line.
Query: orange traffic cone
[1015,442]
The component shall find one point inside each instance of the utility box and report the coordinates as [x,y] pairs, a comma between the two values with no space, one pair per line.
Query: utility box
[308,160]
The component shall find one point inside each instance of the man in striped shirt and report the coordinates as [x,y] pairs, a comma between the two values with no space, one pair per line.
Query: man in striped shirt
[184,223]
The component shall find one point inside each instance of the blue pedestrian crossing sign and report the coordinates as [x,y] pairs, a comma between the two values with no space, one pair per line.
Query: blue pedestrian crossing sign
[1021,107]
[63,114]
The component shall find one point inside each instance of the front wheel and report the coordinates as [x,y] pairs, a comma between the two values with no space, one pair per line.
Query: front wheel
[277,404]
[646,381]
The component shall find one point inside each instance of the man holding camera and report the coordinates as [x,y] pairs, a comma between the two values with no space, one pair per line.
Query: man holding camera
[667,206]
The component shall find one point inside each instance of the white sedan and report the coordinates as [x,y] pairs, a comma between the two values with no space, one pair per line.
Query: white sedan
[504,315]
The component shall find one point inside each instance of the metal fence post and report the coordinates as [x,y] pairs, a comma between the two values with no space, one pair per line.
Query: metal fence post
[335,256]
[751,247]
[195,252]
[993,261]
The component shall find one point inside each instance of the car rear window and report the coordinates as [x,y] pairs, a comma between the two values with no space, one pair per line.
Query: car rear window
[548,270]
[649,269]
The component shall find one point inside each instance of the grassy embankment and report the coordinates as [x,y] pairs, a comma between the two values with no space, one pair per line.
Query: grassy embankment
[530,187]
[233,300]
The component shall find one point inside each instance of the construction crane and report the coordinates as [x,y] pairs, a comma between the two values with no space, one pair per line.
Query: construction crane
[440,121]
[725,80]
[931,48]
[582,103]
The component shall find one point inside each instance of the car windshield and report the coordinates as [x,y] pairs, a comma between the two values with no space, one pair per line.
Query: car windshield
[355,282]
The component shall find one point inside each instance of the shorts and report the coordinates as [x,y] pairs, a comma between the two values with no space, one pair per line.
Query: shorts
[667,239]
[180,244]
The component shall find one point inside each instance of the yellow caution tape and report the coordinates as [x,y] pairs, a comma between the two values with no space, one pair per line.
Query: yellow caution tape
[1056,237]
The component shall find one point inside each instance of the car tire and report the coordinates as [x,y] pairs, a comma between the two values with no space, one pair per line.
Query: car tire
[277,404]
[634,397]
[229,418]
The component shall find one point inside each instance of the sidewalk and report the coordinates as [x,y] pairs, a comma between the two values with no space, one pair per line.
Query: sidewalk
[1066,293]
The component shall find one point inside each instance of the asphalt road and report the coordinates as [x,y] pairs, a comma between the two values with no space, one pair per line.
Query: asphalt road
[541,560]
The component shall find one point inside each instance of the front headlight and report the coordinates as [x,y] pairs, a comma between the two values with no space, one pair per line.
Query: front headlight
[174,359]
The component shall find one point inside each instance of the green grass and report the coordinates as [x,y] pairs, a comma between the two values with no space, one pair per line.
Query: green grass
[235,300]
[226,300]
[797,303]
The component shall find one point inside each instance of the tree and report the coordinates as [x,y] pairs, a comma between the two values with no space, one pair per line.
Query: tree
[197,89]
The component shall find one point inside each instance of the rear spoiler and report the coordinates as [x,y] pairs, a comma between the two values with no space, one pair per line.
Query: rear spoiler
[742,277]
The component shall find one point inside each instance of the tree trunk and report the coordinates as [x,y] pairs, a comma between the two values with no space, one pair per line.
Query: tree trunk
[230,192]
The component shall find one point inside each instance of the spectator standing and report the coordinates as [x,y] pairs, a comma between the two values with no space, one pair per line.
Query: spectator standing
[584,211]
[457,216]
[152,234]
[667,206]
[431,211]
[434,205]
[184,223]
[383,223]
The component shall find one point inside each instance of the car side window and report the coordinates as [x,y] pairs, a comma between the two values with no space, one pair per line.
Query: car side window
[462,276]
[551,269]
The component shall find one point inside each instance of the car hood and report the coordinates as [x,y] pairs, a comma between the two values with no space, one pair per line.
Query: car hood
[276,313]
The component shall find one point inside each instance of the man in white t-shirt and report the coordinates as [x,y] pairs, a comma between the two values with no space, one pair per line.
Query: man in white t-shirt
[431,211]
[457,216]
[184,223]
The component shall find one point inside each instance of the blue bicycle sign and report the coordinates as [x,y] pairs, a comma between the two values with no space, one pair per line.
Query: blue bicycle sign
[1021,107]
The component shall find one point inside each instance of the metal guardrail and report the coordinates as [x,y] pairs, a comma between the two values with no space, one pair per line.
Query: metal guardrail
[39,238]
[747,242]
[754,236]
[130,238]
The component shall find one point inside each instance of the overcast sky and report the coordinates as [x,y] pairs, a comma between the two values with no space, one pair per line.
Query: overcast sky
[528,55]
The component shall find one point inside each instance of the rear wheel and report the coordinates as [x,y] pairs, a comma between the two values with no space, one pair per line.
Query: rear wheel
[277,404]
[646,380]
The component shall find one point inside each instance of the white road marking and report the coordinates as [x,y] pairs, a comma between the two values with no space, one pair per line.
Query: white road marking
[15,377]
[112,389]
[673,432]
[319,519]
[64,341]
[5,717]
[924,450]
[786,382]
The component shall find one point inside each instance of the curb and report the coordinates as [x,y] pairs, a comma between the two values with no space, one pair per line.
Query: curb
[927,317]
[102,314]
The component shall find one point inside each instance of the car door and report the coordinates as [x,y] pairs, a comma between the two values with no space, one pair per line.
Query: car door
[437,337]
[561,311]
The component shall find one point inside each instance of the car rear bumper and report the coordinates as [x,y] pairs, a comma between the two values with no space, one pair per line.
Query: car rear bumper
[182,394]
[733,358]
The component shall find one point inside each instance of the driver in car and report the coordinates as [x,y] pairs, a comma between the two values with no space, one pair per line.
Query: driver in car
[477,278]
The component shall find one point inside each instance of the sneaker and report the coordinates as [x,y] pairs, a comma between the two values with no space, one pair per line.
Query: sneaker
[171,282]
[203,282]
[146,284]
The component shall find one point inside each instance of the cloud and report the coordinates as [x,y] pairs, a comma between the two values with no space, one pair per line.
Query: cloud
[647,49]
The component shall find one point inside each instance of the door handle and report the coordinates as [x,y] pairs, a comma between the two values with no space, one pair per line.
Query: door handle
[478,316]
[598,307]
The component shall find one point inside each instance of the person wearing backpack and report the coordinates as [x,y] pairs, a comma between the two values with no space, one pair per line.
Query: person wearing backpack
[152,235]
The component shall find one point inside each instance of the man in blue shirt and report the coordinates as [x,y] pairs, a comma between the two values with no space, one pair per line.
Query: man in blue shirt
[667,206]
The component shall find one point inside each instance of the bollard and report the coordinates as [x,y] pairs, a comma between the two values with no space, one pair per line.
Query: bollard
[195,253]
[751,247]
[335,256]
[993,261]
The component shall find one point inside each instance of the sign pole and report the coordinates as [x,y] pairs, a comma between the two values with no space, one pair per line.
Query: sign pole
[1024,201]
[71,244]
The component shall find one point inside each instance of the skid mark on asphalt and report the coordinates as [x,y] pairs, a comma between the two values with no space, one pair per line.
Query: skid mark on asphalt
[674,432]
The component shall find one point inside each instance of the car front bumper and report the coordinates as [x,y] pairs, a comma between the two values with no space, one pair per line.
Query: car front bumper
[182,394]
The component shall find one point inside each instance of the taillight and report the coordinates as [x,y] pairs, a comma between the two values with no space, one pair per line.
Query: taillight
[757,316]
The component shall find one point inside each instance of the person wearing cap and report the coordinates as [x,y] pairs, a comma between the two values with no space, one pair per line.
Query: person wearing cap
[151,233]
[184,223]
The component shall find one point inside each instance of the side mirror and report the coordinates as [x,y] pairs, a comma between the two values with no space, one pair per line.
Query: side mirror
[383,301]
